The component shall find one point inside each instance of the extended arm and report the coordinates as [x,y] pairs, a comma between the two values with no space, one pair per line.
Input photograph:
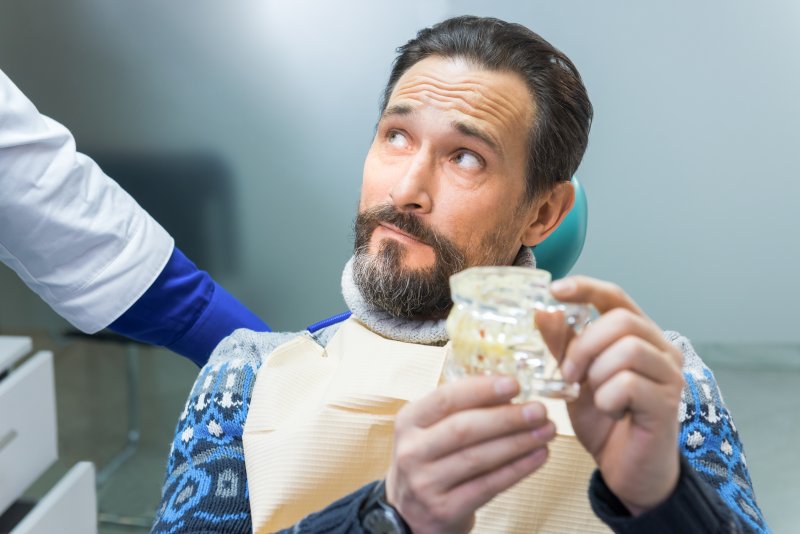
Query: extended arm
[186,311]
[77,239]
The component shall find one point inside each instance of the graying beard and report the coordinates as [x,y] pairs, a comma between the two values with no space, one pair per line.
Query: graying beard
[411,295]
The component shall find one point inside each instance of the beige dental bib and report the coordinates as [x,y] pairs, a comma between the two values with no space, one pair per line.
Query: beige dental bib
[321,425]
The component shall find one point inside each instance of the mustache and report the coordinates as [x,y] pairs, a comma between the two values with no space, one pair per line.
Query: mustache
[408,223]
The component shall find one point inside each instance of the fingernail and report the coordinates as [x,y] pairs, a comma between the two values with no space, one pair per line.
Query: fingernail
[564,286]
[505,386]
[533,413]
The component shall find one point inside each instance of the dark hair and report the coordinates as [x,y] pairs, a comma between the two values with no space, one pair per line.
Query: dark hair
[563,114]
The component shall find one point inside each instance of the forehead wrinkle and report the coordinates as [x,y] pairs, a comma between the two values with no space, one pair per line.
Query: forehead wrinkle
[489,107]
[469,95]
[468,110]
[474,87]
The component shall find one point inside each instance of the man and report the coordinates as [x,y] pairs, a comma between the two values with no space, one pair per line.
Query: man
[347,427]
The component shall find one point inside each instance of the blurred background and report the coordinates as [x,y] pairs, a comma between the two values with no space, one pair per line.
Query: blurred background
[242,126]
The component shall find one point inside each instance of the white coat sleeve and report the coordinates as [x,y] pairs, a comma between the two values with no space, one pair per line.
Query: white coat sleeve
[71,233]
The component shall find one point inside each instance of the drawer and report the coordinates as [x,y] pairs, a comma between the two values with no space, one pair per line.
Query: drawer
[69,508]
[13,348]
[28,440]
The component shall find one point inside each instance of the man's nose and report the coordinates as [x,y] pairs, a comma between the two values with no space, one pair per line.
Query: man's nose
[412,192]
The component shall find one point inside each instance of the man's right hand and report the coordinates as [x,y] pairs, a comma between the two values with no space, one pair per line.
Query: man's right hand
[458,447]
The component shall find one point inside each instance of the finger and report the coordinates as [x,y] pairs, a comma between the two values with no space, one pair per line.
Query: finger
[483,458]
[555,331]
[463,394]
[647,401]
[634,354]
[603,333]
[470,427]
[478,491]
[603,295]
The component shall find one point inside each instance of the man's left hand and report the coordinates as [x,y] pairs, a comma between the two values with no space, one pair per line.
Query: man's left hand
[626,415]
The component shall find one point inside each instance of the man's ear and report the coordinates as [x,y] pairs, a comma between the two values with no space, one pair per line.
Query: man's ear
[547,212]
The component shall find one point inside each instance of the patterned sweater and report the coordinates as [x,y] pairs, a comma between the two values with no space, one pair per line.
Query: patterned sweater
[206,484]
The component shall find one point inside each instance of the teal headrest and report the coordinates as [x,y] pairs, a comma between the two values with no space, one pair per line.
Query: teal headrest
[559,252]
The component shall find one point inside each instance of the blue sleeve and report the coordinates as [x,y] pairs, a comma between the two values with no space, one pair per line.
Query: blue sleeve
[186,311]
[205,489]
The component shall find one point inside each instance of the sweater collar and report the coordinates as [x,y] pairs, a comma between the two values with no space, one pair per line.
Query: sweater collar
[427,332]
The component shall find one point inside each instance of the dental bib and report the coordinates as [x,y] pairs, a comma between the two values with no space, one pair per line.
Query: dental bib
[321,425]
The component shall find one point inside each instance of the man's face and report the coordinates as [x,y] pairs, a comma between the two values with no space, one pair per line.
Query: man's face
[444,182]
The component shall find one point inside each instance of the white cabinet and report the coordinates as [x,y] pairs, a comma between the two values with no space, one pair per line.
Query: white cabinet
[28,446]
[69,508]
[28,441]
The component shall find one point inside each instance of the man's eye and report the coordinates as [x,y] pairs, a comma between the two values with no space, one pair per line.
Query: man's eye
[468,160]
[397,139]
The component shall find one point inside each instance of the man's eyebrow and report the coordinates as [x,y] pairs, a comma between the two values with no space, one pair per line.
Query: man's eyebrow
[472,131]
[463,128]
[397,109]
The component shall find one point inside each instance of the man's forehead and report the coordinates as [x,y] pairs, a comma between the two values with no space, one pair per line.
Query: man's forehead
[472,97]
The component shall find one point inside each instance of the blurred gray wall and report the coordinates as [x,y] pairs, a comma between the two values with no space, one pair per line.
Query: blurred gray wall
[691,171]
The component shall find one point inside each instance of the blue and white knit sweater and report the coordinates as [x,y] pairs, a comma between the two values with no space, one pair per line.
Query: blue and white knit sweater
[206,483]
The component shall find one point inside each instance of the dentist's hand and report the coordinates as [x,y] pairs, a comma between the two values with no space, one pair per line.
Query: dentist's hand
[458,447]
[631,380]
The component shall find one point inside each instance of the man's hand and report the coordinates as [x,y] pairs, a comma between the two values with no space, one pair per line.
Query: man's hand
[458,447]
[627,413]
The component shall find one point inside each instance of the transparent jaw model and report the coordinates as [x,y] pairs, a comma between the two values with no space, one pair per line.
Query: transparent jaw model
[504,321]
